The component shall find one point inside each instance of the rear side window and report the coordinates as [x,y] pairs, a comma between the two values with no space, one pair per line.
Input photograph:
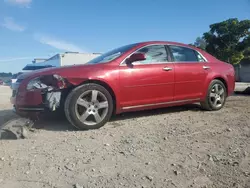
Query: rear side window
[182,54]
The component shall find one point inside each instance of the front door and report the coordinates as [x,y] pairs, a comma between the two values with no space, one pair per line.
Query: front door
[149,82]
[190,74]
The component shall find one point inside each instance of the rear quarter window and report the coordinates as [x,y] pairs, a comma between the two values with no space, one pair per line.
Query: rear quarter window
[183,54]
[199,57]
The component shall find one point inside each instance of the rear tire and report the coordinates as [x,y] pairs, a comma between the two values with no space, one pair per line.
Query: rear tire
[88,106]
[216,96]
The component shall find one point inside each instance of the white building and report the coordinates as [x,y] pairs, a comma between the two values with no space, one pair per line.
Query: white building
[69,58]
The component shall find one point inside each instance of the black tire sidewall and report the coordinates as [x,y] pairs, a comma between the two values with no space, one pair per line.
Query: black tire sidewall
[71,101]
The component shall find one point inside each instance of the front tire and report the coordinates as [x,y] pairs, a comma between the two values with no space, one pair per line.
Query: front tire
[89,106]
[216,96]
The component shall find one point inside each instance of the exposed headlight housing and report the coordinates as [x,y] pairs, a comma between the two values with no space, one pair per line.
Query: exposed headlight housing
[48,82]
[35,84]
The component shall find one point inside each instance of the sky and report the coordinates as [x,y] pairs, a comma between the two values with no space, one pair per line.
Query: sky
[41,28]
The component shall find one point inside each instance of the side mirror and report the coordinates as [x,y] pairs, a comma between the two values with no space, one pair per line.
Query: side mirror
[135,57]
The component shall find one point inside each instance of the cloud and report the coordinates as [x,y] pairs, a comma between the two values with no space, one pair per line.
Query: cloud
[15,59]
[10,24]
[57,43]
[23,3]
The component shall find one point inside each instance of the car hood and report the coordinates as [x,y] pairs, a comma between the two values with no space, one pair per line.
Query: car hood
[63,71]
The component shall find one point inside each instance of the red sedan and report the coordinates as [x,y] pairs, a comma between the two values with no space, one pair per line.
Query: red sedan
[134,77]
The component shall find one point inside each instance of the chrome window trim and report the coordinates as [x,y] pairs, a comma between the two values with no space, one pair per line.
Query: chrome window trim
[202,57]
[167,62]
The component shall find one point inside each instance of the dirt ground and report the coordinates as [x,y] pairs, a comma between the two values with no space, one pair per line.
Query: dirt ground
[173,147]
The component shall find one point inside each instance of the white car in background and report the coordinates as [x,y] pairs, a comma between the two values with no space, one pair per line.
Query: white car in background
[14,79]
[26,69]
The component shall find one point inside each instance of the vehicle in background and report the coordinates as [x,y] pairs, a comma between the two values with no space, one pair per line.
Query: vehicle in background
[33,67]
[58,60]
[134,77]
[1,82]
[14,79]
[39,60]
[7,82]
[26,69]
[69,58]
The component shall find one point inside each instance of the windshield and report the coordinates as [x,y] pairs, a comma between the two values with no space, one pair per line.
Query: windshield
[111,55]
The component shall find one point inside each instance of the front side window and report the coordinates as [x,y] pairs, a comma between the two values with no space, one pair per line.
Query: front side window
[182,54]
[153,54]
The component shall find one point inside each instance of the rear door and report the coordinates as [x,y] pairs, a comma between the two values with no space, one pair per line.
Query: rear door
[190,73]
[149,82]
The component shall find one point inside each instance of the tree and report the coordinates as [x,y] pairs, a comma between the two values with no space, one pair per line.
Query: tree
[227,40]
[200,43]
[247,53]
[4,74]
[246,59]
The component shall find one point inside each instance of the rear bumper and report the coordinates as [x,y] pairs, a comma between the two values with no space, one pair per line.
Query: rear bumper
[231,89]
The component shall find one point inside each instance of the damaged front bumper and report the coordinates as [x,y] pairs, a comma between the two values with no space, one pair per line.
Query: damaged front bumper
[34,109]
[38,95]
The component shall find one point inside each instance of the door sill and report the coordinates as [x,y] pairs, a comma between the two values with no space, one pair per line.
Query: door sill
[162,103]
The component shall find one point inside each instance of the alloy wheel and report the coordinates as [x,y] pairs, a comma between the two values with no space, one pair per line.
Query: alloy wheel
[217,95]
[91,107]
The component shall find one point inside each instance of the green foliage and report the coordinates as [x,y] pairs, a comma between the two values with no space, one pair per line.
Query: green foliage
[3,74]
[246,59]
[236,57]
[228,40]
[247,53]
[200,43]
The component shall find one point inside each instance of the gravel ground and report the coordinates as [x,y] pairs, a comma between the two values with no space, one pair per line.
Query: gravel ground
[173,147]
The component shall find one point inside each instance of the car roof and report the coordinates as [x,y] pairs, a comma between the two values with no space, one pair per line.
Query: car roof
[163,42]
[168,43]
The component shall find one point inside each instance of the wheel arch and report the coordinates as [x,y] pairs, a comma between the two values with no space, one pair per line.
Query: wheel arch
[209,80]
[223,81]
[205,103]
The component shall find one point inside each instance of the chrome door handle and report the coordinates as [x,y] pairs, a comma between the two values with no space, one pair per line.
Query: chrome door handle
[206,67]
[167,69]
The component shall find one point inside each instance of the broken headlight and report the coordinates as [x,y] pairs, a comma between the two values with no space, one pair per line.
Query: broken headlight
[49,82]
[35,84]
